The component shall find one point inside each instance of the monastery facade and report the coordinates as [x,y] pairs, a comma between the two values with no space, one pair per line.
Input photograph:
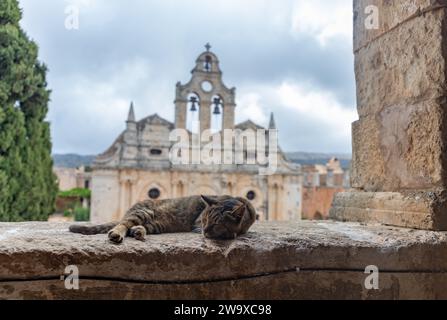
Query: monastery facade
[139,163]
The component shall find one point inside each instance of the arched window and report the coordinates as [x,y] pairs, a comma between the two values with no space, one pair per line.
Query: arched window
[193,112]
[208,64]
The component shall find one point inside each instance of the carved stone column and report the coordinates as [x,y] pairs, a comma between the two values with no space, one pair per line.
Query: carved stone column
[399,174]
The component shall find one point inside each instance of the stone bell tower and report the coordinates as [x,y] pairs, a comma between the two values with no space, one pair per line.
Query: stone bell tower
[206,94]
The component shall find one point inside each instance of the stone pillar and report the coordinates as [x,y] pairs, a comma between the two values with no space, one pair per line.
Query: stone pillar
[273,202]
[174,193]
[205,114]
[180,113]
[123,197]
[399,163]
[181,190]
[230,188]
[131,200]
[228,118]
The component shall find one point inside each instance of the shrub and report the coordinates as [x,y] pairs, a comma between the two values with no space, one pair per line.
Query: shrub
[76,193]
[81,214]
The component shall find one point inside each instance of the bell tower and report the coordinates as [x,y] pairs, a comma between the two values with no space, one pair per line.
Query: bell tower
[206,94]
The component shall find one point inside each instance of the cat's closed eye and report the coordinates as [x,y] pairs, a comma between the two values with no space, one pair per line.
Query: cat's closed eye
[216,231]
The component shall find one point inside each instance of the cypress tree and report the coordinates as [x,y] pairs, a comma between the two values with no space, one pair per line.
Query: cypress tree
[27,183]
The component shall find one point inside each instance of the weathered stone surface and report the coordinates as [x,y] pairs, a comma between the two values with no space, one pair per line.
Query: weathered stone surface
[401,148]
[315,285]
[391,15]
[422,210]
[399,141]
[402,67]
[274,261]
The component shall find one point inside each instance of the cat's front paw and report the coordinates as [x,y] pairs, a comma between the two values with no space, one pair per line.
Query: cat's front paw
[139,233]
[115,237]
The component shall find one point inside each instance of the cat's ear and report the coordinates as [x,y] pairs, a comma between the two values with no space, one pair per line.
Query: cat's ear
[209,201]
[238,213]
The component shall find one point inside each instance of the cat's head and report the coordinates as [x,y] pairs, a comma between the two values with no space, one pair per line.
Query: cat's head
[222,218]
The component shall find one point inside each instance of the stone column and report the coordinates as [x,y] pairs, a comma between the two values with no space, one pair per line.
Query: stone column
[123,197]
[174,193]
[399,163]
[131,194]
[230,188]
[180,113]
[228,118]
[273,202]
[205,114]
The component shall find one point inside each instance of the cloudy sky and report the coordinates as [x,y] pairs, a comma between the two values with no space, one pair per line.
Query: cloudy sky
[290,57]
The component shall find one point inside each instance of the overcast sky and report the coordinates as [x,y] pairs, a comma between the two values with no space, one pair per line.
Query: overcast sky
[290,57]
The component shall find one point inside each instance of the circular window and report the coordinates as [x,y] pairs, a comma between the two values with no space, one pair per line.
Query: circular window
[154,193]
[207,86]
[251,195]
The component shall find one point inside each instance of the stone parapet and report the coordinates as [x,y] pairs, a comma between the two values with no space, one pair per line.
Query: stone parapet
[293,260]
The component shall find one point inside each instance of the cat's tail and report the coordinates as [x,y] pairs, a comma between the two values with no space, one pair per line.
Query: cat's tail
[92,230]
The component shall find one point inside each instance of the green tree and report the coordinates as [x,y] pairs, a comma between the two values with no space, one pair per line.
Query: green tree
[27,184]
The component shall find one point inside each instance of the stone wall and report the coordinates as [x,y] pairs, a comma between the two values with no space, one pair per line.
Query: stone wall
[292,260]
[71,178]
[317,202]
[399,142]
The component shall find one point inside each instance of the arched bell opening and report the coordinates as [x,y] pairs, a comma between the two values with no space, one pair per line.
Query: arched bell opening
[193,112]
[217,105]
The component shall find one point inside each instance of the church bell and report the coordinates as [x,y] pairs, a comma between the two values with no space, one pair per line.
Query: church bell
[217,103]
[193,101]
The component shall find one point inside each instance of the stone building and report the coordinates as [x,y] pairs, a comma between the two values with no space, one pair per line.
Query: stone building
[72,178]
[329,175]
[320,184]
[139,163]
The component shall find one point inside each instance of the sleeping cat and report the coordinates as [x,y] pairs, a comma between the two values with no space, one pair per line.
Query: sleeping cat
[219,218]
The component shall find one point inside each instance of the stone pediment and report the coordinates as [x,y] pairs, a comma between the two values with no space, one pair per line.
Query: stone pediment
[111,152]
[249,125]
[155,120]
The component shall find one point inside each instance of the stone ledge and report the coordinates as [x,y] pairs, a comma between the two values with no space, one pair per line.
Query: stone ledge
[417,209]
[291,260]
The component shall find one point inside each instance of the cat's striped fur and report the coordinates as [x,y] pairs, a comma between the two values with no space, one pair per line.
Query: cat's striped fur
[221,217]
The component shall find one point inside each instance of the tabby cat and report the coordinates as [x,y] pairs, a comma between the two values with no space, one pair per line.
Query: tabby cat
[220,218]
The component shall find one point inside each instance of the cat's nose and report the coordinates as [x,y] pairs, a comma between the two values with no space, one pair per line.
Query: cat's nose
[208,234]
[207,230]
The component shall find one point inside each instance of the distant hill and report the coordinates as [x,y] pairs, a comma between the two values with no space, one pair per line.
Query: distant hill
[304,158]
[72,160]
[308,158]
